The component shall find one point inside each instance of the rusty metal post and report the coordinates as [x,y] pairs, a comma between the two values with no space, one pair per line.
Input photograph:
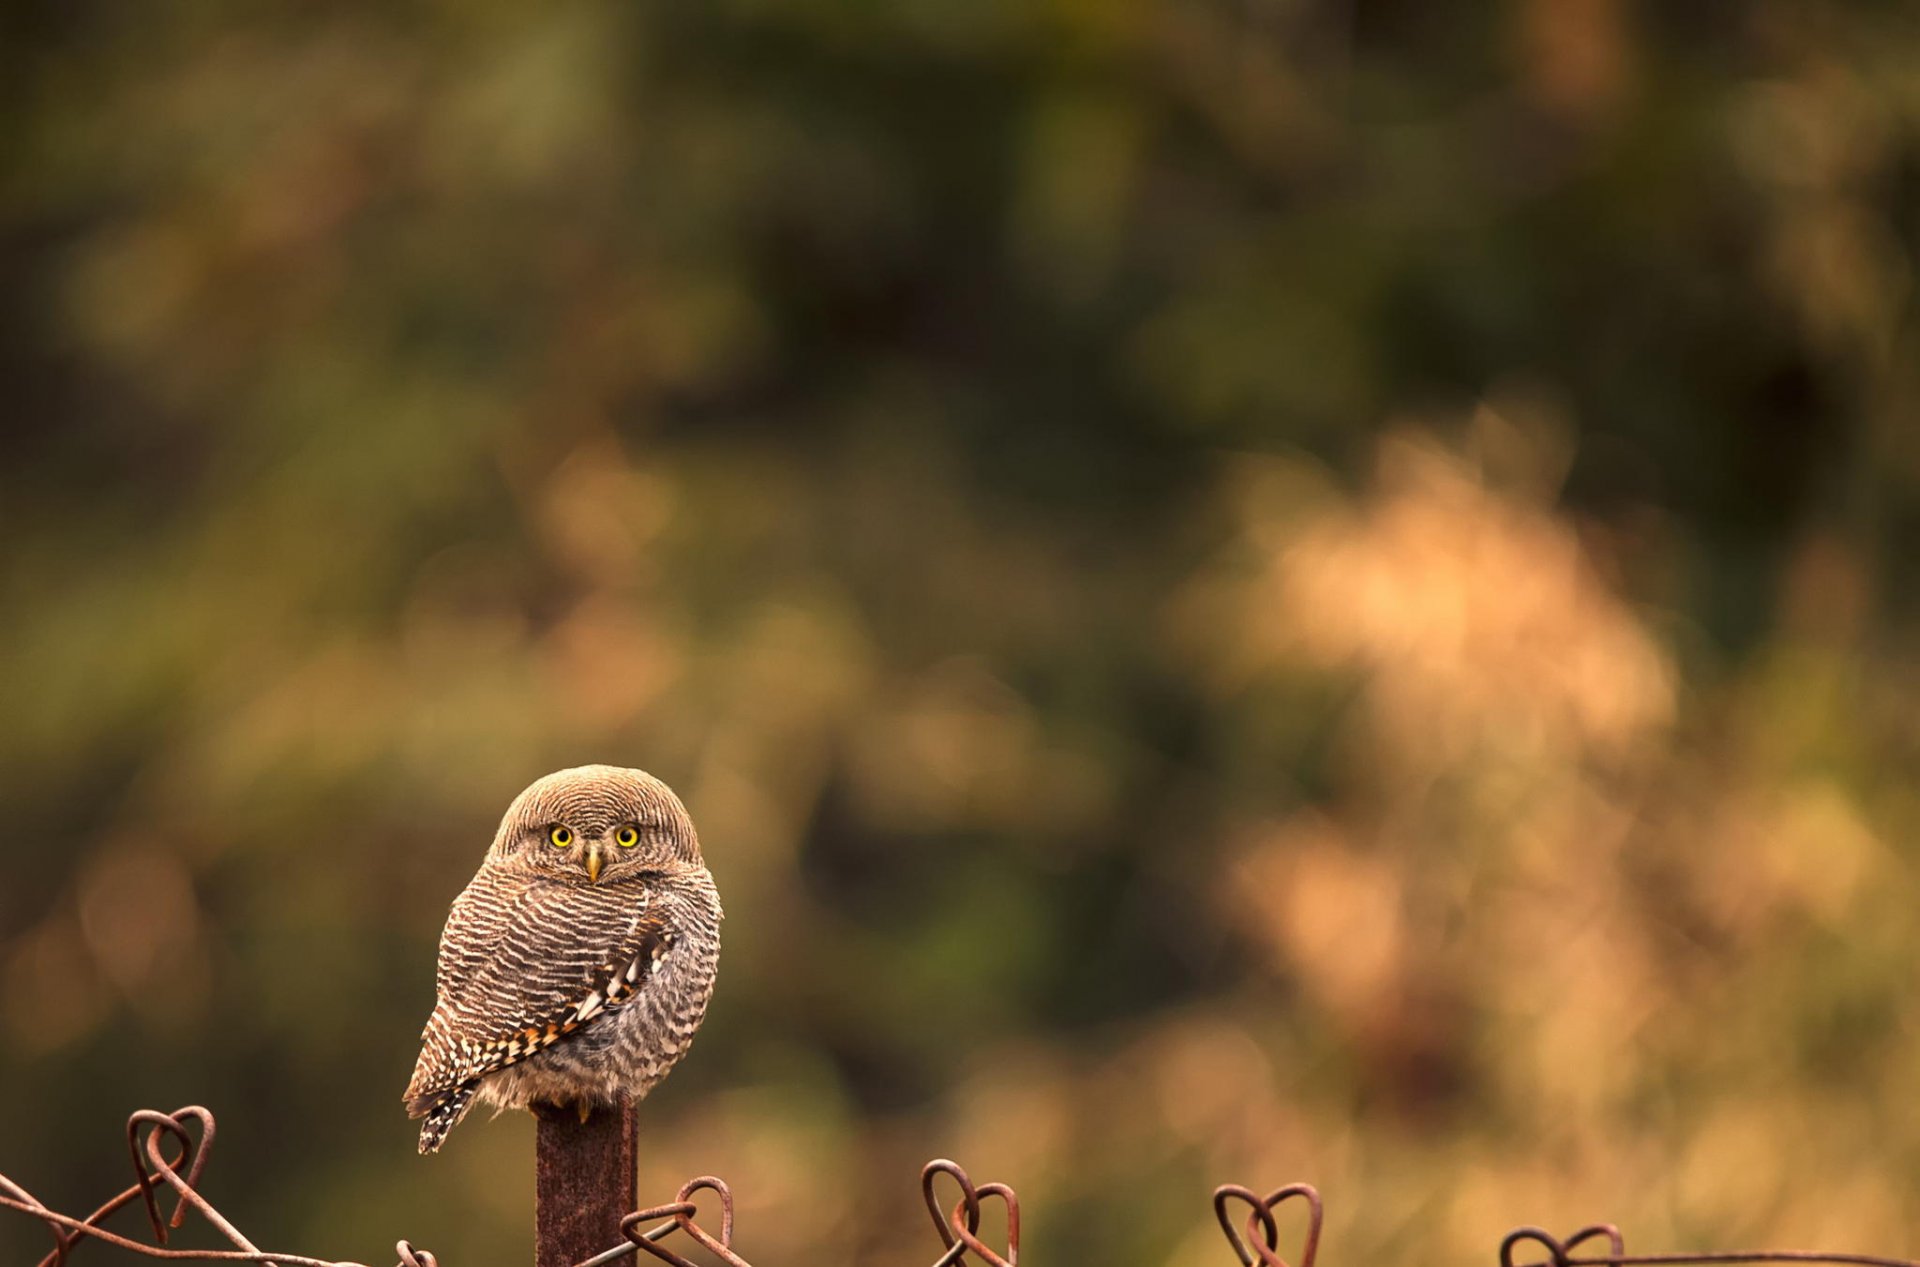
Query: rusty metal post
[584,1178]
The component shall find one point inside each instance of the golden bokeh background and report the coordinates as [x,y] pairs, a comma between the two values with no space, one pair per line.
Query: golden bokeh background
[1296,589]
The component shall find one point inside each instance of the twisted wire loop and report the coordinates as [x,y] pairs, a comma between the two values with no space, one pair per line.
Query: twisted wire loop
[680,1212]
[1260,1242]
[149,1136]
[959,1228]
[1560,1253]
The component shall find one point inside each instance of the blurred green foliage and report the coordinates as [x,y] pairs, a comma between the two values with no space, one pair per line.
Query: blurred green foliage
[1300,589]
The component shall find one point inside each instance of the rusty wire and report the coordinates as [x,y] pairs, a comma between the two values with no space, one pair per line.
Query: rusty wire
[1261,1240]
[148,1133]
[1257,1240]
[959,1229]
[1560,1253]
[169,1151]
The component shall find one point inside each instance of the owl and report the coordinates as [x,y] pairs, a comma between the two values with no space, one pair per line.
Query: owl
[578,962]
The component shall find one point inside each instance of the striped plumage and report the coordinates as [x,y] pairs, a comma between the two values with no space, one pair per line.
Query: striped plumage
[571,973]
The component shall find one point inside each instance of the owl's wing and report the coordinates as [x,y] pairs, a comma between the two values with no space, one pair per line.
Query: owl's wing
[522,967]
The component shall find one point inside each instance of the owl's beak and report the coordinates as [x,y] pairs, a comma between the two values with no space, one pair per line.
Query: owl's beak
[594,860]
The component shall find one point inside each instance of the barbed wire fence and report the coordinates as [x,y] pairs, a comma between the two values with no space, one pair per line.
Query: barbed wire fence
[169,1153]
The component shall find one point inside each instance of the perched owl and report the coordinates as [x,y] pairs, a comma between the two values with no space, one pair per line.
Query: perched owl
[578,962]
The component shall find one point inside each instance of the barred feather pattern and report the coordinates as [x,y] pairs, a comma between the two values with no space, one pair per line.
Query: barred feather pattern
[555,990]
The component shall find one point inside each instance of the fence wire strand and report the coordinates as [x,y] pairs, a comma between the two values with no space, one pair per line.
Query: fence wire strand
[169,1153]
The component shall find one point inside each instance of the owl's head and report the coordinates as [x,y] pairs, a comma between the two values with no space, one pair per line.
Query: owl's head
[595,824]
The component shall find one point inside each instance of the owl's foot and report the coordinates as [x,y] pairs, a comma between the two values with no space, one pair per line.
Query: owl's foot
[555,1111]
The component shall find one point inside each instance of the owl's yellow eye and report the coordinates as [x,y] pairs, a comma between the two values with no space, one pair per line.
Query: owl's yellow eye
[627,837]
[561,837]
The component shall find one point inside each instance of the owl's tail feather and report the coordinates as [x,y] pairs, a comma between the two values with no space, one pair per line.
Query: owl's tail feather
[443,1112]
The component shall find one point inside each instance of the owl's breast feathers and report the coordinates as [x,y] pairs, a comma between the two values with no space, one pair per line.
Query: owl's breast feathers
[525,965]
